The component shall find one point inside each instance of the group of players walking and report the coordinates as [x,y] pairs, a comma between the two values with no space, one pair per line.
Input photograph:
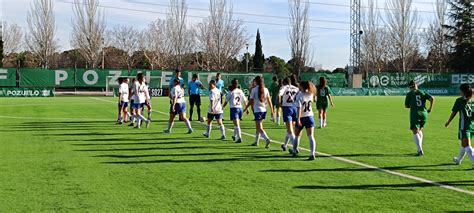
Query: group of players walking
[285,98]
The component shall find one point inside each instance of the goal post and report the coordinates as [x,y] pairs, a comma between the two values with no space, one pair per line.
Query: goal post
[111,83]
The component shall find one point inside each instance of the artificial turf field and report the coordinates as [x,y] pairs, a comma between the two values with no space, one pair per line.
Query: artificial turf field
[67,154]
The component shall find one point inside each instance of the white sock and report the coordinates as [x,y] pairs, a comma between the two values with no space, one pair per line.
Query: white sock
[462,152]
[222,128]
[469,153]
[132,119]
[239,132]
[188,124]
[235,132]
[416,138]
[257,137]
[296,142]
[139,121]
[208,129]
[141,117]
[321,122]
[170,125]
[312,144]
[287,139]
[324,122]
[278,120]
[129,115]
[264,135]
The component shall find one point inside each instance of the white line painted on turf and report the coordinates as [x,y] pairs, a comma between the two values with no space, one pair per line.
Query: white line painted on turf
[33,118]
[357,163]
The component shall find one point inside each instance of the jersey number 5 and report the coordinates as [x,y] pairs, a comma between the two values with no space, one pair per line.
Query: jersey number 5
[419,103]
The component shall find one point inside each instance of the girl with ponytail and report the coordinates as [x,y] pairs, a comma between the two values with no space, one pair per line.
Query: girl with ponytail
[323,98]
[259,99]
[464,105]
[305,119]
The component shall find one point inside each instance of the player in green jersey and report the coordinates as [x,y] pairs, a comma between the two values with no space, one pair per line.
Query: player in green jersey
[416,102]
[323,98]
[464,105]
[274,90]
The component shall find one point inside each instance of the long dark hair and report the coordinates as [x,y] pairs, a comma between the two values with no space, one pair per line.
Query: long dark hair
[286,81]
[294,81]
[140,77]
[234,84]
[261,88]
[466,90]
[120,80]
[322,82]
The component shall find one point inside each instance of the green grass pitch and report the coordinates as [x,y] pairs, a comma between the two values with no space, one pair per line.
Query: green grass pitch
[66,154]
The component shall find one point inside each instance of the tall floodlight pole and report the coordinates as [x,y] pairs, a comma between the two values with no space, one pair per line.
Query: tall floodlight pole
[356,33]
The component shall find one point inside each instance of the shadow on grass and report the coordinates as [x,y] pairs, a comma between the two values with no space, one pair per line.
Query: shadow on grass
[129,144]
[212,160]
[393,168]
[386,186]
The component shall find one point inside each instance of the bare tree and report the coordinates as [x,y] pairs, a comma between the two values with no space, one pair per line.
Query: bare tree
[126,39]
[374,39]
[437,45]
[220,36]
[154,44]
[403,23]
[88,28]
[11,36]
[40,38]
[298,34]
[180,35]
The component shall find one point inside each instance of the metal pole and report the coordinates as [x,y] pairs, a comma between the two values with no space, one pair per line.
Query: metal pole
[103,54]
[247,59]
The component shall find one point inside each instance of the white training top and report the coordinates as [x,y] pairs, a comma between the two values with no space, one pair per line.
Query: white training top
[304,101]
[178,92]
[215,95]
[236,98]
[259,106]
[147,92]
[139,92]
[288,95]
[123,89]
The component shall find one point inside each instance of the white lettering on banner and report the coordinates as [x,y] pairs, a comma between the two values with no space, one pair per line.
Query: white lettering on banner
[462,79]
[115,75]
[60,75]
[95,77]
[166,78]
[384,80]
[3,74]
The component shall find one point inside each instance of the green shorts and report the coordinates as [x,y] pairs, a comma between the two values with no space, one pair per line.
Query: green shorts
[418,120]
[275,102]
[322,105]
[463,134]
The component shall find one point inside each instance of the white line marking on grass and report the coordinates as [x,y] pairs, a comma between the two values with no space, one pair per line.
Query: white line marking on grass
[357,163]
[37,118]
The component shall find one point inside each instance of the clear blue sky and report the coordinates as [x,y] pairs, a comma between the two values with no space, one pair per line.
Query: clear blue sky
[330,46]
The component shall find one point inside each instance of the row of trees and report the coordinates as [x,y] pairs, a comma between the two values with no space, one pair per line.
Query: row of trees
[213,44]
[394,40]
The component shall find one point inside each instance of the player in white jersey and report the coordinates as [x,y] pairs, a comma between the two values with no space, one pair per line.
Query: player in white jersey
[139,98]
[148,103]
[123,100]
[304,100]
[178,106]
[215,110]
[287,98]
[259,99]
[236,99]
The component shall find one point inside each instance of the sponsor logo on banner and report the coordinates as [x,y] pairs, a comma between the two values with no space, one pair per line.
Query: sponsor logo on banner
[26,92]
[457,79]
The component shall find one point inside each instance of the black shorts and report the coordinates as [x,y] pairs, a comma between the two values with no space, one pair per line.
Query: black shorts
[195,100]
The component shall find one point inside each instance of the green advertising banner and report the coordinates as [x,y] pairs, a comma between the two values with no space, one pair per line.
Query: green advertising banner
[334,79]
[402,79]
[46,78]
[7,77]
[26,92]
